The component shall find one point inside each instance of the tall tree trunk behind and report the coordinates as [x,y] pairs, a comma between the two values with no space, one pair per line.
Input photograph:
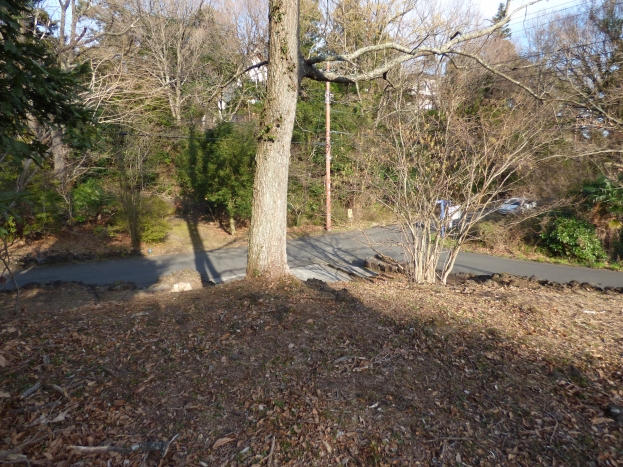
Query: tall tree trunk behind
[267,237]
[59,152]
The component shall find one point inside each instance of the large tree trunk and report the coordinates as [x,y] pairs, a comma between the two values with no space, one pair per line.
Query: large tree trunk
[267,237]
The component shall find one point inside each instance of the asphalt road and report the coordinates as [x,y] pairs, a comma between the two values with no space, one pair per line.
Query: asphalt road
[343,248]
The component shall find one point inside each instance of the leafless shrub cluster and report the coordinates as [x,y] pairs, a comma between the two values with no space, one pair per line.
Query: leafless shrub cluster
[463,149]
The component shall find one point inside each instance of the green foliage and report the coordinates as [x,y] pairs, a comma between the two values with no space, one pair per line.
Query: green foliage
[505,31]
[219,169]
[8,230]
[89,199]
[7,199]
[153,226]
[310,27]
[39,209]
[33,88]
[573,238]
[605,198]
[153,220]
[605,193]
[306,190]
[35,96]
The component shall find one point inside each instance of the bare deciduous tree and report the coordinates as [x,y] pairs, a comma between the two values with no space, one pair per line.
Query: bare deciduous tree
[132,158]
[580,56]
[442,170]
[172,60]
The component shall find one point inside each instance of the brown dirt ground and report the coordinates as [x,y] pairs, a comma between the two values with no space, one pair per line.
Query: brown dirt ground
[507,373]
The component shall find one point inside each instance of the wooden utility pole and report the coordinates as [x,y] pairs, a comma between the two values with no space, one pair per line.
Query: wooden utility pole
[328,152]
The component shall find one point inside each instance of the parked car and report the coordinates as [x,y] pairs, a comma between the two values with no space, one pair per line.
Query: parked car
[516,205]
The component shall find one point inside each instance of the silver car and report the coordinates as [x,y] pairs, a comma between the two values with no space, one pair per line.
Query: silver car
[516,205]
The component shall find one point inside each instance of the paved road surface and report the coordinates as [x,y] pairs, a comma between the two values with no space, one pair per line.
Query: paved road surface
[346,248]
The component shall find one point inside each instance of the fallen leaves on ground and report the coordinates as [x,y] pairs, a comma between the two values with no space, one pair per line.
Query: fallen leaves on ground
[390,373]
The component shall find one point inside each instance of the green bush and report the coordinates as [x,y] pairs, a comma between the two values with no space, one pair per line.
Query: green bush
[573,238]
[154,230]
[152,220]
[101,231]
[40,211]
[218,168]
[89,198]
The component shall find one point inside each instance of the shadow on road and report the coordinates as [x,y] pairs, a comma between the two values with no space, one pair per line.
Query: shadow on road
[351,248]
[203,265]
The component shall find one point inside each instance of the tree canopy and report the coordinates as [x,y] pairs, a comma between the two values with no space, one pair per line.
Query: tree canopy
[35,94]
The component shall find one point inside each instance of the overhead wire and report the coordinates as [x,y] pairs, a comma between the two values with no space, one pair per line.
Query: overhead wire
[540,13]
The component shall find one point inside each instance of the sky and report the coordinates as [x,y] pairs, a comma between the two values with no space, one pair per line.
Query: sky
[541,10]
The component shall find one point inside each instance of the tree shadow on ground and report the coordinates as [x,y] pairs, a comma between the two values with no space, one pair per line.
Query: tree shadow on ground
[350,248]
[203,265]
[316,374]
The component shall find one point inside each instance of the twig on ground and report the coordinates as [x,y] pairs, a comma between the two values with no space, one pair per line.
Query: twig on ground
[148,447]
[32,442]
[99,449]
[268,458]
[436,440]
[31,409]
[58,389]
[354,457]
[551,438]
[15,457]
[110,372]
[144,461]
[10,458]
[443,452]
[30,391]
[166,449]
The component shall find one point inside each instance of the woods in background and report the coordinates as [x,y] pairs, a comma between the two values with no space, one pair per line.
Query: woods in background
[116,113]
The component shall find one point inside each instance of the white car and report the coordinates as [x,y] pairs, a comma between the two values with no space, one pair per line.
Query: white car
[516,205]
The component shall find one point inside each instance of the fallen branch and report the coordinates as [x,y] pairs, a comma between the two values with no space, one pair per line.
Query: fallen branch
[58,389]
[354,457]
[15,457]
[10,458]
[32,442]
[86,450]
[436,440]
[30,391]
[443,452]
[166,449]
[148,446]
[268,458]
[110,372]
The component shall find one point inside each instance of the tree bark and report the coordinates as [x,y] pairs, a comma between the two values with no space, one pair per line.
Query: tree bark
[59,153]
[267,238]
[232,226]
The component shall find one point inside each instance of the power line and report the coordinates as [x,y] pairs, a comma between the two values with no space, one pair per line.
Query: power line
[540,13]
